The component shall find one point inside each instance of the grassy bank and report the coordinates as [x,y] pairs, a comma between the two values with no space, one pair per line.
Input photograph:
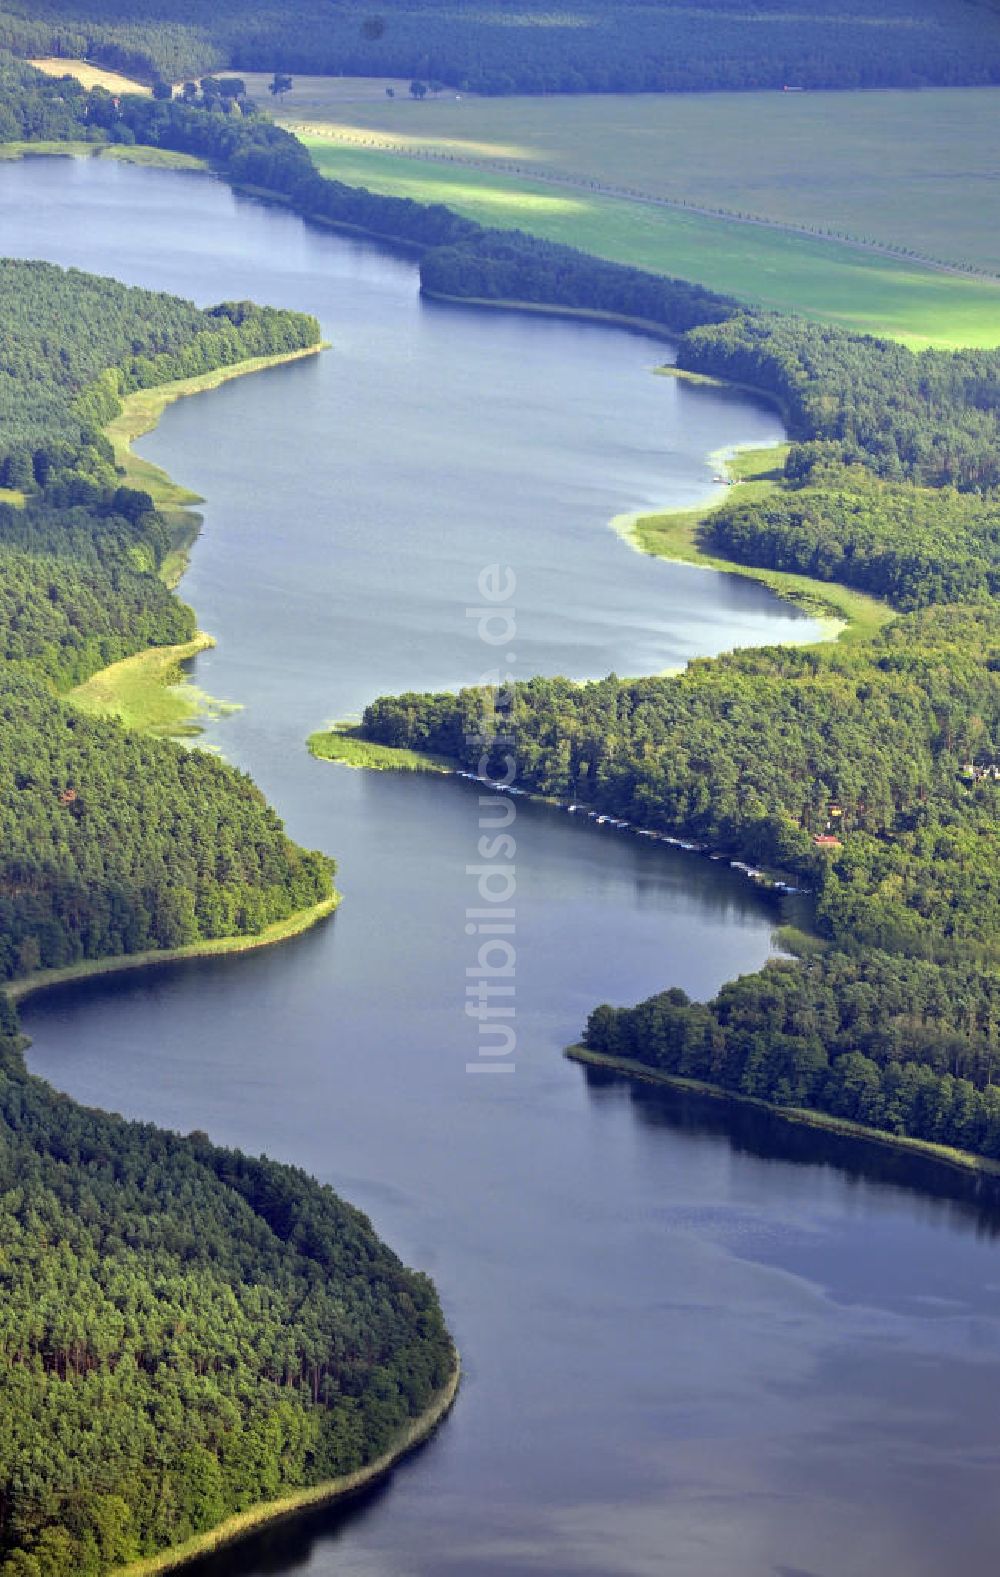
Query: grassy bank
[961,1160]
[831,281]
[247,1522]
[845,614]
[155,158]
[142,410]
[150,692]
[345,743]
[90,968]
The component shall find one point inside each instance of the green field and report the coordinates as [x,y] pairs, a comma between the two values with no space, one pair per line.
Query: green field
[824,280]
[916,171]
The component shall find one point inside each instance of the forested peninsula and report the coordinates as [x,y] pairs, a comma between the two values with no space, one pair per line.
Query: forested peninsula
[189,1334]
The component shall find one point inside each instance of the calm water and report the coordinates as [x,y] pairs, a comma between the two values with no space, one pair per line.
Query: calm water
[690,1347]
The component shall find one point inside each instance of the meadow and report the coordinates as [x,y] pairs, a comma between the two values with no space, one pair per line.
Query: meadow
[831,282]
[912,169]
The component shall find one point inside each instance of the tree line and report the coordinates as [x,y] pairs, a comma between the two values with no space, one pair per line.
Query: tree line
[184,1333]
[758,754]
[604,46]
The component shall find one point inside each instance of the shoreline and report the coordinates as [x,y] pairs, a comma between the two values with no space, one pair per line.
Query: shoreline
[150,692]
[584,314]
[142,409]
[209,947]
[803,1116]
[265,1513]
[106,692]
[345,745]
[140,413]
[266,194]
[122,153]
[842,613]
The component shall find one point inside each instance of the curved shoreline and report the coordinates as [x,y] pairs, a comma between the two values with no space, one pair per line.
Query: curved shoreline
[843,613]
[801,1116]
[139,414]
[141,411]
[538,309]
[209,947]
[266,1512]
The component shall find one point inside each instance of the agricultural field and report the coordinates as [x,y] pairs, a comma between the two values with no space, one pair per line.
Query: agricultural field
[90,76]
[856,288]
[910,178]
[914,170]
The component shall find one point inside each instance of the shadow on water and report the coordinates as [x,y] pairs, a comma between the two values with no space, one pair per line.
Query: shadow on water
[962,1199]
[290,1544]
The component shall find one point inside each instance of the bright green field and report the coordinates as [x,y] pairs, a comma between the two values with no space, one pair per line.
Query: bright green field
[914,170]
[824,280]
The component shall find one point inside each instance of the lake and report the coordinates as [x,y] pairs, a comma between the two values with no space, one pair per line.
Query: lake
[693,1342]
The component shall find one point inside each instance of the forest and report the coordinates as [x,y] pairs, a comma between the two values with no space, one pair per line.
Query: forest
[111,843]
[910,546]
[113,339]
[756,754]
[236,1328]
[239,1332]
[612,46]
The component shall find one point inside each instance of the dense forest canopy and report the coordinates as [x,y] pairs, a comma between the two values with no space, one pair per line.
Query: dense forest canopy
[185,1332]
[110,843]
[536,47]
[73,344]
[755,753]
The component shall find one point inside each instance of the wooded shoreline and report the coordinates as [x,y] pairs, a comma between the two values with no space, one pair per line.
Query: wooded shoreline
[267,1512]
[801,1116]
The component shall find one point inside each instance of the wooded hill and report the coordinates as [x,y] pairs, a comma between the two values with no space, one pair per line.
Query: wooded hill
[184,1333]
[112,339]
[590,46]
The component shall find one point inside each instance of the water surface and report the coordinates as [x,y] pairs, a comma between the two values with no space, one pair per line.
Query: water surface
[691,1346]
